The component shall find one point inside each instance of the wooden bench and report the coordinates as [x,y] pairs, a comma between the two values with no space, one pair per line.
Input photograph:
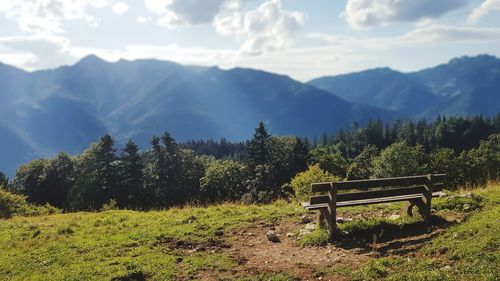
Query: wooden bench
[417,190]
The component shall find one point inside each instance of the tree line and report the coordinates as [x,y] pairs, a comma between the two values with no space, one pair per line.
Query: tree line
[266,168]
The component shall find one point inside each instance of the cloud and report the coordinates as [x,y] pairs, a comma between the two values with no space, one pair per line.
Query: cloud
[46,16]
[361,14]
[185,12]
[142,20]
[265,29]
[120,8]
[485,8]
[35,52]
[431,34]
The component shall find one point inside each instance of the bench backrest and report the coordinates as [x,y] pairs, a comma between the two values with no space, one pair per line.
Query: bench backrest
[398,187]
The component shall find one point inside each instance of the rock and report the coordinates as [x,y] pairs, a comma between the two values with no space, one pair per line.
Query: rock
[272,236]
[394,217]
[446,268]
[218,233]
[340,220]
[250,234]
[466,207]
[306,219]
[290,234]
[310,226]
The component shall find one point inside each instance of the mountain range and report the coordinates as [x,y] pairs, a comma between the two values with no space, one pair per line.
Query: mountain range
[463,87]
[67,108]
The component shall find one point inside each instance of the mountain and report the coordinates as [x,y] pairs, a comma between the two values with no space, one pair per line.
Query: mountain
[69,107]
[464,86]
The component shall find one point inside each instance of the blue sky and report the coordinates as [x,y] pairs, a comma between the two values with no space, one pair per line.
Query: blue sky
[303,39]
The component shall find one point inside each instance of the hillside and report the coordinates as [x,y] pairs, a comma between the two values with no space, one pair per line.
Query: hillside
[227,242]
[463,87]
[72,106]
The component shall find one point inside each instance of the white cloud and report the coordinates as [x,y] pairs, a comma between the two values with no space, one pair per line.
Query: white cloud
[485,8]
[185,12]
[141,19]
[367,13]
[46,16]
[120,8]
[431,34]
[267,28]
[35,52]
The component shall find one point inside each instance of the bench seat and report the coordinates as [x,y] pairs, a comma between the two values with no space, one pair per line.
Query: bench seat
[309,206]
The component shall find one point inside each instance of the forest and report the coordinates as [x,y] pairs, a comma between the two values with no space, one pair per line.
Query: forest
[260,170]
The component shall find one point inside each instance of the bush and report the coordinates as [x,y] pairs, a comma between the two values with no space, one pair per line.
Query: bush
[399,160]
[13,204]
[301,183]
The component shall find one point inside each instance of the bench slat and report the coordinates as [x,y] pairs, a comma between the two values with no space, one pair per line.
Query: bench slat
[318,205]
[400,181]
[384,200]
[382,193]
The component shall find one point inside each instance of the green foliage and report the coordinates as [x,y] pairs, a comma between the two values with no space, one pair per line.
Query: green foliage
[14,204]
[223,180]
[362,166]
[329,160]
[258,147]
[400,159]
[301,183]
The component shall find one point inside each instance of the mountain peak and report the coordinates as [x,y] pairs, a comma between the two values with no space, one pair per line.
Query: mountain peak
[90,60]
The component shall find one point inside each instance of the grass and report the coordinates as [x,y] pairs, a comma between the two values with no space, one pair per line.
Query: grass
[466,251]
[125,245]
[186,243]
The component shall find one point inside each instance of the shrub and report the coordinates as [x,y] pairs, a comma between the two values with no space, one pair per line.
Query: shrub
[301,183]
[13,204]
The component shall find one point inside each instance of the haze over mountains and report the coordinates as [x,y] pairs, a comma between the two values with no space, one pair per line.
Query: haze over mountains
[68,108]
[465,86]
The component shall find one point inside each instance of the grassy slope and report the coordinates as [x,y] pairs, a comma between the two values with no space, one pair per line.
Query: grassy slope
[467,251]
[123,245]
[128,245]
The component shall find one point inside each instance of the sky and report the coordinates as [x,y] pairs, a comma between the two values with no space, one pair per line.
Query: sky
[304,39]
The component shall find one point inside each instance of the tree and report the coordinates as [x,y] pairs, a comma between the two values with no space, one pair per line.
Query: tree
[362,166]
[287,157]
[4,181]
[106,165]
[329,159]
[31,181]
[400,159]
[59,180]
[258,148]
[132,177]
[223,181]
[262,186]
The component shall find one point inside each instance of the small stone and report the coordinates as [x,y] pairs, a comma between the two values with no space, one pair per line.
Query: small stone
[340,220]
[250,234]
[305,219]
[394,217]
[272,236]
[466,207]
[290,234]
[310,226]
[446,268]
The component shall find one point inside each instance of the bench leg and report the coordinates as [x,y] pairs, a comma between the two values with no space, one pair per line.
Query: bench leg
[423,208]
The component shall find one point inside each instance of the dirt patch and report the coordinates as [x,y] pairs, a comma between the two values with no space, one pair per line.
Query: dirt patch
[255,254]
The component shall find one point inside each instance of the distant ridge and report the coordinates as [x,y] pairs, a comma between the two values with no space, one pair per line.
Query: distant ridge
[464,86]
[69,107]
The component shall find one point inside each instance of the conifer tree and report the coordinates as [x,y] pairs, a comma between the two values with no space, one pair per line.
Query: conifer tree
[258,148]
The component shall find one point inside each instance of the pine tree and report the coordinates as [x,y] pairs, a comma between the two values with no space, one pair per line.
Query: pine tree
[258,148]
[132,177]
